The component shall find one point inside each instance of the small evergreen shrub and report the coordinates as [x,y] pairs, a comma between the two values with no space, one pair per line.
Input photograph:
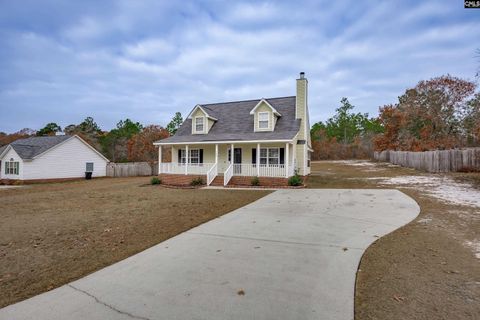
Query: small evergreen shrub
[155,180]
[255,182]
[295,180]
[197,182]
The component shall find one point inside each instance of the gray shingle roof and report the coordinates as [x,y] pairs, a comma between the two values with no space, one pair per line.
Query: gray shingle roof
[236,123]
[29,148]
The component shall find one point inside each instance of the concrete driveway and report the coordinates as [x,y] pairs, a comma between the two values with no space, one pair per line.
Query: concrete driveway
[290,255]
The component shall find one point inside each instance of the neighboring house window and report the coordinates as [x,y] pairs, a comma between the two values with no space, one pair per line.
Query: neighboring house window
[270,156]
[12,167]
[309,159]
[199,124]
[263,120]
[89,167]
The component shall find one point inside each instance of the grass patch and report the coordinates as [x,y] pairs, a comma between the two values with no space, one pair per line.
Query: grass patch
[52,234]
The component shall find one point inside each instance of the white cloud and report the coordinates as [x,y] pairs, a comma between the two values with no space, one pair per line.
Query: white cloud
[149,49]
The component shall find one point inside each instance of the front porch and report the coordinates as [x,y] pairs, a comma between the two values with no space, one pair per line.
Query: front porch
[215,161]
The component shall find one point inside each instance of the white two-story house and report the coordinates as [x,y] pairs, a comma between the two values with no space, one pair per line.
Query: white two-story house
[231,142]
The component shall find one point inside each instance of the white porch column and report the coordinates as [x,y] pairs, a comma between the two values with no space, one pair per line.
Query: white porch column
[286,160]
[258,160]
[186,159]
[231,153]
[159,159]
[216,154]
[294,157]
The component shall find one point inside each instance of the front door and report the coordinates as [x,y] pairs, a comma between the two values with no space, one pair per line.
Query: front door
[237,159]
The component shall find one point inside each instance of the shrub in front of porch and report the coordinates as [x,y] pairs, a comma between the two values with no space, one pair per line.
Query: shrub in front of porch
[155,180]
[255,182]
[295,180]
[197,182]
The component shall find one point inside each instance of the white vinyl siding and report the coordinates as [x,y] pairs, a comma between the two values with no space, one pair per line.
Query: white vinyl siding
[67,160]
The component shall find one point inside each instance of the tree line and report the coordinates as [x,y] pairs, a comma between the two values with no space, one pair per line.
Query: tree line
[439,113]
[128,141]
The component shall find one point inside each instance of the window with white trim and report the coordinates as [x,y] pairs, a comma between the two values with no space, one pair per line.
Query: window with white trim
[12,167]
[270,156]
[199,124]
[89,167]
[263,119]
[273,156]
[183,158]
[194,156]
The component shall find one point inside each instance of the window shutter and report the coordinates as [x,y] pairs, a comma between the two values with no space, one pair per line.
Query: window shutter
[201,156]
[282,155]
[179,156]
[254,155]
[229,155]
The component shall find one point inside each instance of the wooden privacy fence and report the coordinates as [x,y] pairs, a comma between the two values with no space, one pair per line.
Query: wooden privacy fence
[434,161]
[131,169]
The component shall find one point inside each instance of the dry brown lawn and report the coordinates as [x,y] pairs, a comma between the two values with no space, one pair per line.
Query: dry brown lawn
[424,270]
[51,234]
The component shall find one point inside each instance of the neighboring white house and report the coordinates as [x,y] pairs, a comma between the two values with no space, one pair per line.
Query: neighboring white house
[50,157]
[230,142]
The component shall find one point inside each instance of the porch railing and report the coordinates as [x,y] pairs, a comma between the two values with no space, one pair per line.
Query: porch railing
[182,168]
[228,174]
[263,170]
[212,173]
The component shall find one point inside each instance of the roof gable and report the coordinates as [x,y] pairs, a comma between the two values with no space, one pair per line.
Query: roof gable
[199,107]
[263,101]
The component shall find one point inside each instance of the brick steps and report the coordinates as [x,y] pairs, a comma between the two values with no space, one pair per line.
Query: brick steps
[217,182]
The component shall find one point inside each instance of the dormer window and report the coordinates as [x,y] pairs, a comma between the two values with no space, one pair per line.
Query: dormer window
[202,122]
[263,119]
[199,124]
[265,116]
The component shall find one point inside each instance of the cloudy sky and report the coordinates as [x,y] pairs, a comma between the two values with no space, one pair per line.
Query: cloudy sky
[62,61]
